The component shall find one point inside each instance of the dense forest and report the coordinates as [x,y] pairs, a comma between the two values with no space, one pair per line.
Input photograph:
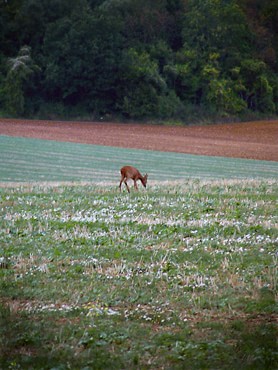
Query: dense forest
[138,59]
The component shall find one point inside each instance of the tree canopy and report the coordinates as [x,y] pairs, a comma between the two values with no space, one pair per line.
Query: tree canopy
[138,58]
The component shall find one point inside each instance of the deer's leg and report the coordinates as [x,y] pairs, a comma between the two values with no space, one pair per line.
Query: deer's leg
[135,185]
[120,186]
[126,185]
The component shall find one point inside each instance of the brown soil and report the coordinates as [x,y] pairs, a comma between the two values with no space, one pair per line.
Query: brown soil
[254,140]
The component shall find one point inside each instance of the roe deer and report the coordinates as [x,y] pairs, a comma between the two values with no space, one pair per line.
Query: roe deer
[129,172]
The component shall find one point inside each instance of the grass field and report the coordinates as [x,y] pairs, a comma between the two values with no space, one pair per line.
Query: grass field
[24,160]
[181,276]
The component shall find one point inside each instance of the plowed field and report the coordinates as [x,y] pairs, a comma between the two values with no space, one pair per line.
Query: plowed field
[253,140]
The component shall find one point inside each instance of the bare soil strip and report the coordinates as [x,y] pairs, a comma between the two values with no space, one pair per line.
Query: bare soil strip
[252,140]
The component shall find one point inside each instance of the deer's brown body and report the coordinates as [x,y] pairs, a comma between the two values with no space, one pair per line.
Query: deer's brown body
[129,172]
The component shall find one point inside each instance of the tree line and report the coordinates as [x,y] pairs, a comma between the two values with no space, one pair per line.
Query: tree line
[138,59]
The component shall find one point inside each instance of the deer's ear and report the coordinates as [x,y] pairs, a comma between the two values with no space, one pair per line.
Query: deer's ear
[146,175]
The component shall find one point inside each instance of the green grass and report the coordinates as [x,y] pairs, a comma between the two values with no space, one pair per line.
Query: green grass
[24,160]
[179,276]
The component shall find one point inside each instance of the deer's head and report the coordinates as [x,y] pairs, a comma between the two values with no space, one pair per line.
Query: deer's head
[144,180]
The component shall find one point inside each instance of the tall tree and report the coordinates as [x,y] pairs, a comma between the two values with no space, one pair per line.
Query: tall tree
[217,41]
[20,69]
[81,58]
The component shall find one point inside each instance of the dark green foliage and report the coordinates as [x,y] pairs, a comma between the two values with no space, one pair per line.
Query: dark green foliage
[139,59]
[82,57]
